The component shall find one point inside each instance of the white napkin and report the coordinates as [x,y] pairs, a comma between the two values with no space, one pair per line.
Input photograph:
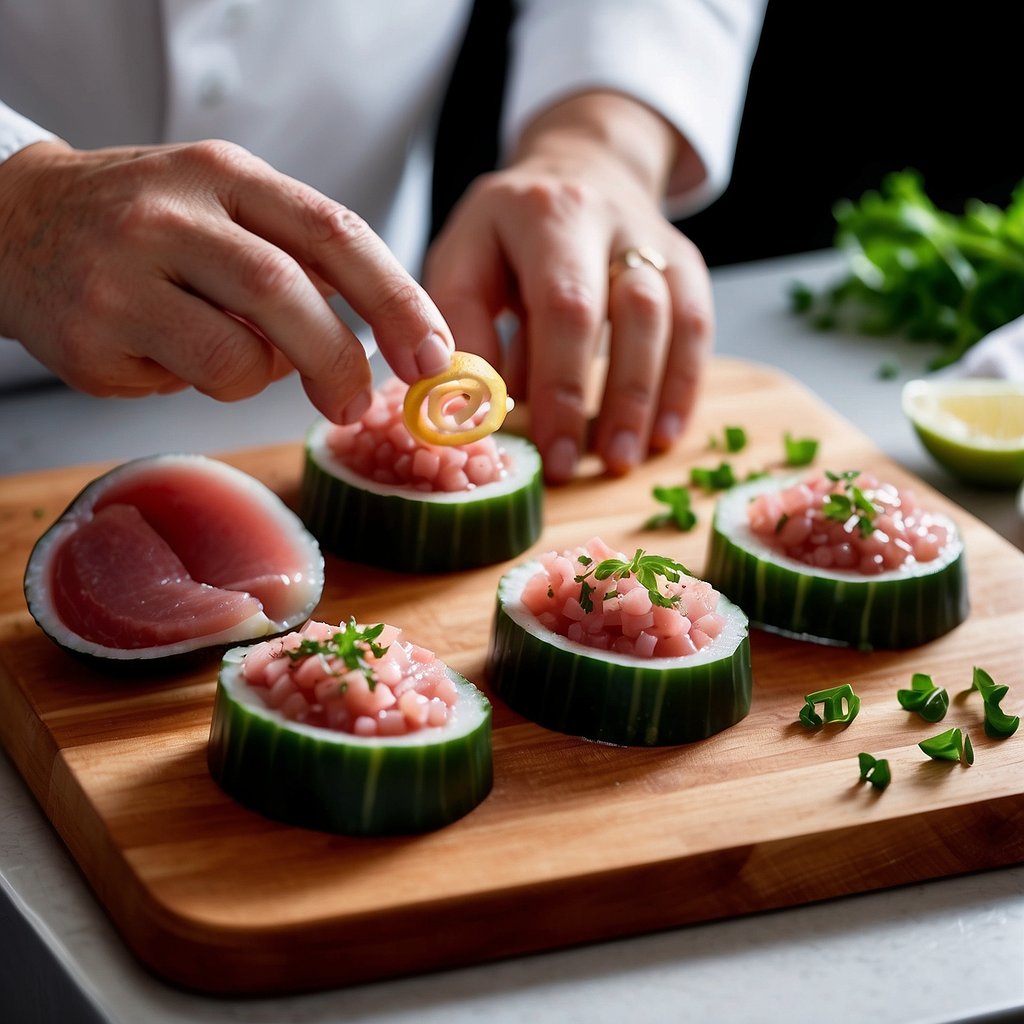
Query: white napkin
[999,354]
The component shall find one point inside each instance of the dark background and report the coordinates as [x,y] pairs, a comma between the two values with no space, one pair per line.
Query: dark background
[840,94]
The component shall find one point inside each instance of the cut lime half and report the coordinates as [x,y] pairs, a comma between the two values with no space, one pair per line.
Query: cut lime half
[973,426]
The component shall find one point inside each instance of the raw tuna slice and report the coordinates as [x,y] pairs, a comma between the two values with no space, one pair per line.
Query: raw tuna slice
[171,554]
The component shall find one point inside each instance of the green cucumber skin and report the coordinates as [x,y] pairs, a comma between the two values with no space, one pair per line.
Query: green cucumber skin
[402,533]
[346,788]
[862,613]
[612,703]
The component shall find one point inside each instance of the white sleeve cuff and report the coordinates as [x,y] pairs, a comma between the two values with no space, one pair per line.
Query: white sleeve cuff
[689,60]
[17,132]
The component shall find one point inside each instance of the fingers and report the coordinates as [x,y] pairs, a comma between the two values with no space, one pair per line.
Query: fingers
[342,251]
[639,317]
[692,336]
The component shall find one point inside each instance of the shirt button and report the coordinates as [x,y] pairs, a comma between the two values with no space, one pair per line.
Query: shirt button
[213,89]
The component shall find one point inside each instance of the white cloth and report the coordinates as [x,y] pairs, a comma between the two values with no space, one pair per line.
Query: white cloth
[999,354]
[345,94]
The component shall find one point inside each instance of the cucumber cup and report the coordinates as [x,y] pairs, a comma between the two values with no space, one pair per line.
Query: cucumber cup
[334,781]
[899,608]
[409,530]
[615,698]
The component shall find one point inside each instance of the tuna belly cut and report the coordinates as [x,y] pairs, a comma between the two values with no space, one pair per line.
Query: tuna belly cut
[224,531]
[118,583]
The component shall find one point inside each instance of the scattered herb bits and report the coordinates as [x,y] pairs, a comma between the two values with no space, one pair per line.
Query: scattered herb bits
[951,745]
[931,702]
[874,770]
[734,439]
[678,514]
[839,706]
[799,451]
[719,478]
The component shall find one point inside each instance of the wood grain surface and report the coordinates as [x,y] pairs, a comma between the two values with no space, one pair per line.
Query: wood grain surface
[578,841]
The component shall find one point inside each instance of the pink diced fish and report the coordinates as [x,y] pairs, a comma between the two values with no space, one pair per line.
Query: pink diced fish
[410,688]
[623,618]
[380,448]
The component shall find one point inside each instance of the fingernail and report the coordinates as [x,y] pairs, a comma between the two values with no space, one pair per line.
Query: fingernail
[356,407]
[434,355]
[560,459]
[667,427]
[623,450]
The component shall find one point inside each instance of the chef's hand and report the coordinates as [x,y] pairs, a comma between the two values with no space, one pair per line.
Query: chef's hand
[544,238]
[142,270]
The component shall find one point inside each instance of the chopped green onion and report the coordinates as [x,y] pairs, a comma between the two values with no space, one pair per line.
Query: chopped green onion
[998,724]
[840,704]
[799,451]
[931,702]
[874,770]
[679,512]
[951,745]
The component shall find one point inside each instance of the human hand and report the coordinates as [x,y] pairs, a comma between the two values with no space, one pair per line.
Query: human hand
[134,271]
[542,238]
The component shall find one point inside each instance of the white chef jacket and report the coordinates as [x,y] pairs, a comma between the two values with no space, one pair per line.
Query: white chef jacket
[345,94]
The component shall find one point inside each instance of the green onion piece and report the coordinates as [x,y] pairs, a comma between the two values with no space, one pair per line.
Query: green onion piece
[931,702]
[719,479]
[809,717]
[679,512]
[874,770]
[840,705]
[951,745]
[998,724]
[799,451]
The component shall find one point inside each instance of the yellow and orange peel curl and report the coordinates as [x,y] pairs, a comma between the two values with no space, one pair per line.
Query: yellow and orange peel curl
[466,402]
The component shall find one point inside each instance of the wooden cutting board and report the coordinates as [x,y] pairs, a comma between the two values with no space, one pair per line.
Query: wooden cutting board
[578,841]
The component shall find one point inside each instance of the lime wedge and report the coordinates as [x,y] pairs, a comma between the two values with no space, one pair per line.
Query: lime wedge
[973,426]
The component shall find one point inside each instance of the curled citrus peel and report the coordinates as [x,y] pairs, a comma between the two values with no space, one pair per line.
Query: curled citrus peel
[466,402]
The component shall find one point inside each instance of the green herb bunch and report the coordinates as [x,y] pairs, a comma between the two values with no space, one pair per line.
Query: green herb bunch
[922,272]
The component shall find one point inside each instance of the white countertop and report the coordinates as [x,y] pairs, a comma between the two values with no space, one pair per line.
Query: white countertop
[945,951]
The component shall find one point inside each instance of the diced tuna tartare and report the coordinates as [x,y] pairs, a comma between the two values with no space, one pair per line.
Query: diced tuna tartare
[399,688]
[380,448]
[847,521]
[622,617]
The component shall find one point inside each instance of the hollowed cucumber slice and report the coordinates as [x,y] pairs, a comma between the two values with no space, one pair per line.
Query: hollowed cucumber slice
[421,531]
[614,698]
[352,785]
[901,608]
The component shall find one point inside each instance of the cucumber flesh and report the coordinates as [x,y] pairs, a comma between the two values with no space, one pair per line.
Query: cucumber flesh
[337,782]
[614,698]
[407,530]
[898,609]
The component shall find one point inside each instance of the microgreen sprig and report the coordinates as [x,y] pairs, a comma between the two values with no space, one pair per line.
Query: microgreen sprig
[839,704]
[850,503]
[931,702]
[874,770]
[646,568]
[998,724]
[348,646]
